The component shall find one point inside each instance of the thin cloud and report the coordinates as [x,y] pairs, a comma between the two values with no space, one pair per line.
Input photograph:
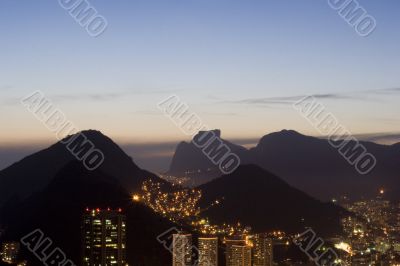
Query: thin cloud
[90,97]
[388,138]
[288,99]
[5,87]
[381,138]
[106,96]
[147,112]
[220,113]
[385,91]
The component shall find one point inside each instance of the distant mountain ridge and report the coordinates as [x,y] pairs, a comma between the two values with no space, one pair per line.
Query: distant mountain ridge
[308,163]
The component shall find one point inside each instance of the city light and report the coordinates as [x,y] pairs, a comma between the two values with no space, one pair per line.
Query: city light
[136,197]
[344,246]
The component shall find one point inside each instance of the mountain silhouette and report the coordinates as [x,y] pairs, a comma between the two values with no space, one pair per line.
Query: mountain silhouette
[189,160]
[57,210]
[34,172]
[308,163]
[255,197]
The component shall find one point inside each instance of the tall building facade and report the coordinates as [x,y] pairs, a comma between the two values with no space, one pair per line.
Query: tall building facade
[104,238]
[230,244]
[182,249]
[241,255]
[262,250]
[208,251]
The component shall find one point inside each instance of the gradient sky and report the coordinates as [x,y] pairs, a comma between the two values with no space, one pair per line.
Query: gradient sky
[238,64]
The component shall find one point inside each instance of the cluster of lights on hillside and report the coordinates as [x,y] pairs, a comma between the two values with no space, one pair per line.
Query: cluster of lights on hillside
[178,206]
[182,206]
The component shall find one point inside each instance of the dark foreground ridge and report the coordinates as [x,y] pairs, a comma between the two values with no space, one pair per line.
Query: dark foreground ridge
[58,210]
[260,199]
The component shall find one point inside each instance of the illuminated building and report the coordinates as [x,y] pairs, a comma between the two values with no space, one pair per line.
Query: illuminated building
[182,249]
[230,243]
[262,250]
[208,251]
[104,237]
[241,255]
[10,252]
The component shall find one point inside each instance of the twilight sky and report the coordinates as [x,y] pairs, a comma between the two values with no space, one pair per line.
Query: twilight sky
[237,64]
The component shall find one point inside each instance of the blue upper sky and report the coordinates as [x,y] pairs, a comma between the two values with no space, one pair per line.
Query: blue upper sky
[228,59]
